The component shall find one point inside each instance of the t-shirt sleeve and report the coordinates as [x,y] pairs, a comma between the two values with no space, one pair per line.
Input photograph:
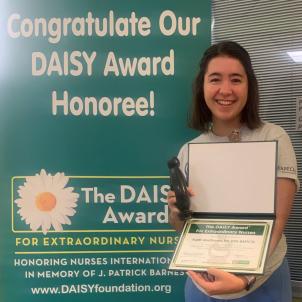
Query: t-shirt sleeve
[287,163]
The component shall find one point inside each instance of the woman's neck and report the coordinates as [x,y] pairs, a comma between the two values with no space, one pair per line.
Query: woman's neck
[224,128]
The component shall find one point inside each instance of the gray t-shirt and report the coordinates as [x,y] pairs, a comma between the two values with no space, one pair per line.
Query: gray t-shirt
[287,168]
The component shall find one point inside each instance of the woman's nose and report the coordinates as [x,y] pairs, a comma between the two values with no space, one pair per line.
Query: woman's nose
[225,88]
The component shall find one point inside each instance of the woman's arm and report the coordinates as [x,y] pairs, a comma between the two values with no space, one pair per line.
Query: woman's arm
[286,189]
[222,282]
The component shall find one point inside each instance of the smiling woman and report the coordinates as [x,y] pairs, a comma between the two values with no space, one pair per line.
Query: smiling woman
[232,79]
[225,93]
[226,101]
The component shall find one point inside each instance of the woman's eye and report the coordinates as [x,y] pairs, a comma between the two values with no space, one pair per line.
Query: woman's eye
[214,80]
[236,80]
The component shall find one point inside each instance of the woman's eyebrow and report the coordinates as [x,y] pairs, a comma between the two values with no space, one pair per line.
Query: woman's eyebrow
[236,75]
[214,74]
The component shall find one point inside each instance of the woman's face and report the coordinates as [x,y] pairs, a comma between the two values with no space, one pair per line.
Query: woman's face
[225,89]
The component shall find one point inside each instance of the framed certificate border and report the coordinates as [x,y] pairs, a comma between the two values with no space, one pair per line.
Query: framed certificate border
[238,246]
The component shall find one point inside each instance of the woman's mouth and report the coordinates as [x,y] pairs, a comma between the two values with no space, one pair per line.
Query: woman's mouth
[225,102]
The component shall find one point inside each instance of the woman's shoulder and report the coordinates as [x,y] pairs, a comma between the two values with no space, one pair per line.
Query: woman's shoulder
[268,131]
[202,138]
[271,127]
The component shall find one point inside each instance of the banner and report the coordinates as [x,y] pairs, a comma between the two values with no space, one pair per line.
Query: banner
[94,98]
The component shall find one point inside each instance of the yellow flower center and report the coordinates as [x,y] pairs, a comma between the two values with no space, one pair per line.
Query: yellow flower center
[45,201]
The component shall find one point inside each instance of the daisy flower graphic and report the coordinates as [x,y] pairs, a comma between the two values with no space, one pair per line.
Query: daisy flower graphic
[45,201]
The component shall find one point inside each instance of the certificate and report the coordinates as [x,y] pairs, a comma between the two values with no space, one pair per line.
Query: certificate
[238,246]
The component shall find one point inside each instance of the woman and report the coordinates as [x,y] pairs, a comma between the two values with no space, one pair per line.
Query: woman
[225,108]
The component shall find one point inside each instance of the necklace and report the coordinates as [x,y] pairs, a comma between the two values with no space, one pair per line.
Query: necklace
[234,136]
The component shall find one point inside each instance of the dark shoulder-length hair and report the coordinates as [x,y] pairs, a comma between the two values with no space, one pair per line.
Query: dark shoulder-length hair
[201,117]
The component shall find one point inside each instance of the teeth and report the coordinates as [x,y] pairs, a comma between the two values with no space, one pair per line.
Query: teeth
[224,102]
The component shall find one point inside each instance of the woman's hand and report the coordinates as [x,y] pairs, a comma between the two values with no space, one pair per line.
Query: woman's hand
[174,211]
[218,282]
